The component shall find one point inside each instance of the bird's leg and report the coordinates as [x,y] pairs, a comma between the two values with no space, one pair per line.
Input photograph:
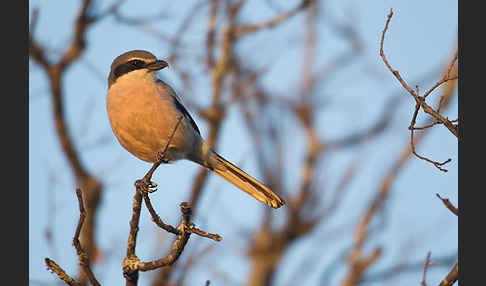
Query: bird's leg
[145,184]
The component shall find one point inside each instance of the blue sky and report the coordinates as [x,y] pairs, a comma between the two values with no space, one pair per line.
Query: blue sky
[421,38]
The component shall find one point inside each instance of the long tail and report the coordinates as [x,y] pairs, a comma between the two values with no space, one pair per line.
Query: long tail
[242,180]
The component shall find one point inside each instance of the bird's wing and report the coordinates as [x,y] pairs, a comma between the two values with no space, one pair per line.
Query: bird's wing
[179,106]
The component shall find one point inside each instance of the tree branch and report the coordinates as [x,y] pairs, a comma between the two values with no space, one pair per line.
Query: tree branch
[419,100]
[449,205]
[82,255]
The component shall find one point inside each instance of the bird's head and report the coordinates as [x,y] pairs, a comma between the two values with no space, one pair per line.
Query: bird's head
[134,60]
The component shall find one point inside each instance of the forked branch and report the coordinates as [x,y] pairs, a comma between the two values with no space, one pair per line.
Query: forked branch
[420,100]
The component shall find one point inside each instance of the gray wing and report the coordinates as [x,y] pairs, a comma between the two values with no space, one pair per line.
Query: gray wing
[180,107]
[186,114]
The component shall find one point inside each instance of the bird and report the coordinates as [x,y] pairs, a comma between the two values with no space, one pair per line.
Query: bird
[149,120]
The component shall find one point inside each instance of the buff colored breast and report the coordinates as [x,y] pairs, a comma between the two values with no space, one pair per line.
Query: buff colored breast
[142,117]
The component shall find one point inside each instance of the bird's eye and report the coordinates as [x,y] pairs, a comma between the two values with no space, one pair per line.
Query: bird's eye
[137,63]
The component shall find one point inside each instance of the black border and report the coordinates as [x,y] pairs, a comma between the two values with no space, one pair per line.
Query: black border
[14,118]
[471,188]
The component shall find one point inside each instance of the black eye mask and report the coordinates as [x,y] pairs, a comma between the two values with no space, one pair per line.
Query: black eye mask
[128,67]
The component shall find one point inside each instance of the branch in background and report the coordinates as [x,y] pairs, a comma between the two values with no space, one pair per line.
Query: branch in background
[220,67]
[270,243]
[426,267]
[361,232]
[357,259]
[193,260]
[266,256]
[214,114]
[376,129]
[211,34]
[250,28]
[182,29]
[359,266]
[401,268]
[55,71]
[82,255]
[269,246]
[137,21]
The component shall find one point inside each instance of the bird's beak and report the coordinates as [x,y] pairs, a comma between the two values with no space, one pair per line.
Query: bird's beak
[157,65]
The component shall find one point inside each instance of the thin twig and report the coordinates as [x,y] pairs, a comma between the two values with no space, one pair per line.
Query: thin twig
[412,128]
[193,229]
[426,267]
[83,257]
[155,217]
[190,228]
[446,76]
[177,246]
[132,276]
[51,265]
[419,100]
[432,124]
[449,205]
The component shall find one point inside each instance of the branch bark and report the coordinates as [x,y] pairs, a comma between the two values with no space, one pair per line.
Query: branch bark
[90,185]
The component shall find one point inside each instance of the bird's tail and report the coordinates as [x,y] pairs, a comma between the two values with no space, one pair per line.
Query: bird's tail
[243,181]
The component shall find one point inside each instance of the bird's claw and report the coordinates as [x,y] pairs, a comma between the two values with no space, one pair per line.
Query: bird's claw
[146,185]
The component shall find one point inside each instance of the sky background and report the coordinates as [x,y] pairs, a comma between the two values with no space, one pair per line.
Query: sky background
[420,40]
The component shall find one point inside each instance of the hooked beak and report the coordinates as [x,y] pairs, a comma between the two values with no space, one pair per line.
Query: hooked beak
[157,65]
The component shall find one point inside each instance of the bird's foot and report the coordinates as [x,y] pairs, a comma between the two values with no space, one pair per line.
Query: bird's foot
[145,185]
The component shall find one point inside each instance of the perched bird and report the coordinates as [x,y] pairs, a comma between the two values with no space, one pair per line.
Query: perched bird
[149,120]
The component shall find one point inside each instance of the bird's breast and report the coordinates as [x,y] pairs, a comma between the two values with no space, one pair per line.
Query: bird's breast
[143,119]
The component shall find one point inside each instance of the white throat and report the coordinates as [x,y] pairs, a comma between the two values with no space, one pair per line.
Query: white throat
[137,76]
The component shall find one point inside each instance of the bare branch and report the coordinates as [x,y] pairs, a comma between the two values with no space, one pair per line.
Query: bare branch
[90,185]
[412,128]
[211,34]
[419,100]
[451,278]
[449,205]
[82,255]
[131,263]
[51,265]
[426,267]
[431,124]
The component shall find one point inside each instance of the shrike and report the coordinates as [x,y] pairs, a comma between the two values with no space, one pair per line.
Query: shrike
[149,120]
